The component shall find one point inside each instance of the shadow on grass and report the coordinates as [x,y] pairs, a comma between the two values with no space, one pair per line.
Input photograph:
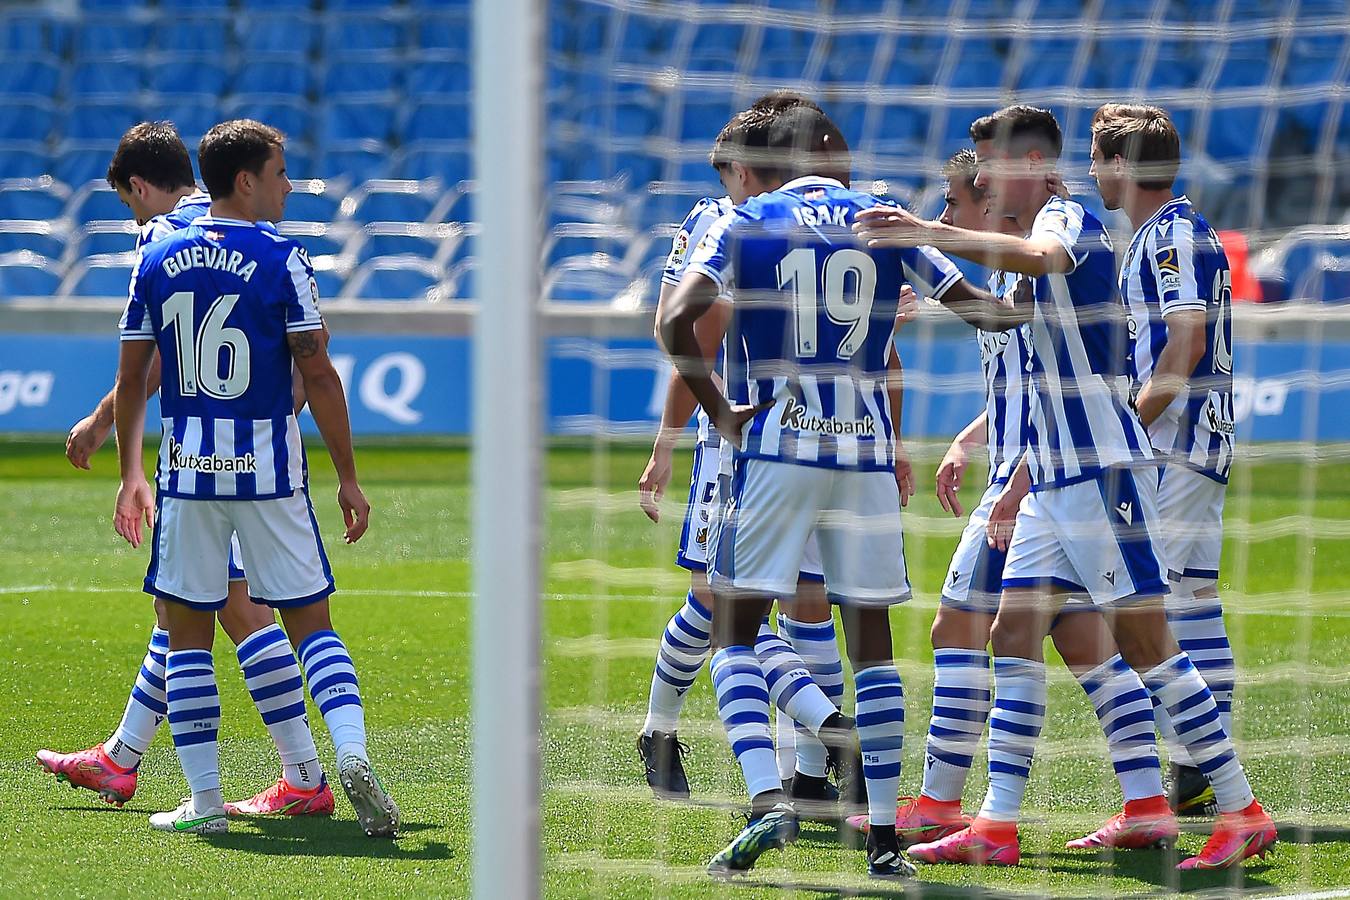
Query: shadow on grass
[1295,833]
[1156,867]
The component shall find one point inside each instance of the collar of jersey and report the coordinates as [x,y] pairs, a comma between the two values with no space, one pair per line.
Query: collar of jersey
[1162,209]
[811,180]
[194,197]
[213,220]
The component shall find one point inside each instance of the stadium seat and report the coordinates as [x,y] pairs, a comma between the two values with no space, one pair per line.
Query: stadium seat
[267,31]
[1044,63]
[121,79]
[437,29]
[437,120]
[344,34]
[979,63]
[203,35]
[329,281]
[24,274]
[899,122]
[435,73]
[1126,11]
[193,115]
[99,121]
[915,61]
[173,6]
[276,76]
[94,202]
[23,159]
[313,200]
[649,41]
[189,75]
[1235,132]
[1313,59]
[395,278]
[289,5]
[391,200]
[319,238]
[106,237]
[99,276]
[44,239]
[716,46]
[376,75]
[462,281]
[122,35]
[1247,63]
[355,121]
[1175,64]
[292,115]
[589,279]
[850,57]
[639,167]
[579,240]
[450,161]
[352,161]
[28,33]
[32,75]
[1114,63]
[40,199]
[389,239]
[702,115]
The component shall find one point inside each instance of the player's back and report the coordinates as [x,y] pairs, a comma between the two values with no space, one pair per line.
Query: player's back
[187,209]
[220,297]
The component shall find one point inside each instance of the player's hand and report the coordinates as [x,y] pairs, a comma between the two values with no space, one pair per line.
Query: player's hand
[904,474]
[85,439]
[355,511]
[949,473]
[135,501]
[891,226]
[1002,520]
[1054,183]
[652,484]
[908,310]
[729,426]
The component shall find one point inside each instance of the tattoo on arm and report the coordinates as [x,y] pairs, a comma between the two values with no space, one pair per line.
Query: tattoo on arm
[303,344]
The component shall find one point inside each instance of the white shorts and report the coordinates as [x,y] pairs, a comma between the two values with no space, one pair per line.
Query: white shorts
[773,510]
[236,562]
[701,518]
[1190,507]
[278,541]
[975,577]
[1098,536]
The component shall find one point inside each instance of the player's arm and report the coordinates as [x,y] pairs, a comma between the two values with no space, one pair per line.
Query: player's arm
[91,432]
[693,298]
[895,398]
[1003,516]
[889,226]
[981,309]
[298,382]
[955,460]
[134,499]
[1175,364]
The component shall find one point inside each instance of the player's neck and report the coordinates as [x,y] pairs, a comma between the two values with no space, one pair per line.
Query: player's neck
[228,208]
[1140,205]
[1026,217]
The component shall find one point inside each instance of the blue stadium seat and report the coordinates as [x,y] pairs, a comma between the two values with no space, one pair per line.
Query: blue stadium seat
[716,46]
[78,161]
[107,35]
[587,280]
[289,5]
[437,120]
[450,161]
[352,161]
[36,75]
[104,276]
[292,115]
[24,274]
[193,115]
[43,239]
[851,119]
[1300,123]
[171,6]
[276,75]
[1175,64]
[318,238]
[343,34]
[24,159]
[100,121]
[96,202]
[330,282]
[123,79]
[436,73]
[386,239]
[356,5]
[313,200]
[106,237]
[392,201]
[32,198]
[1313,59]
[1114,63]
[26,120]
[915,61]
[371,75]
[205,35]
[462,281]
[850,57]
[291,33]
[639,167]
[581,240]
[899,122]
[29,33]
[1127,11]
[979,64]
[355,121]
[395,278]
[438,30]
[1045,63]
[703,114]
[1246,63]
[649,41]
[1050,10]
[624,118]
[192,75]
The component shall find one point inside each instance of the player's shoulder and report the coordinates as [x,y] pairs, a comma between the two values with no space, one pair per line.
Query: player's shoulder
[706,211]
[1066,211]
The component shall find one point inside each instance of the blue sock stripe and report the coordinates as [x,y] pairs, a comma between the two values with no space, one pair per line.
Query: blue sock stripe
[196,672]
[159,640]
[259,641]
[1208,612]
[673,681]
[1190,645]
[1018,668]
[1135,718]
[336,700]
[880,693]
[180,659]
[158,707]
[808,631]
[960,693]
[745,745]
[159,658]
[284,713]
[150,678]
[1209,767]
[938,731]
[671,640]
[1111,704]
[317,641]
[961,658]
[741,692]
[1008,769]
[267,692]
[749,717]
[964,715]
[1194,700]
[1207,717]
[191,693]
[313,670]
[692,602]
[192,715]
[1121,766]
[1025,707]
[733,669]
[318,687]
[679,665]
[881,770]
[880,718]
[1030,731]
[189,738]
[951,759]
[876,676]
[270,664]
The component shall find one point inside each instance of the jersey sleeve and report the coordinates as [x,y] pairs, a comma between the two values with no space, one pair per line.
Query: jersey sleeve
[1172,256]
[712,257]
[691,232]
[135,324]
[1063,221]
[930,272]
[302,293]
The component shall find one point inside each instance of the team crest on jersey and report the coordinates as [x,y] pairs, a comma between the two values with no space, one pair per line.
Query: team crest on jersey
[701,536]
[679,250]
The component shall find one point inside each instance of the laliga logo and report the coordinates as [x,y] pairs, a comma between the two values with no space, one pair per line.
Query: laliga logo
[374,388]
[24,389]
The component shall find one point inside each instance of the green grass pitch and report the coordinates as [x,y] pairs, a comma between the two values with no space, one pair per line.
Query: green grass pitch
[74,626]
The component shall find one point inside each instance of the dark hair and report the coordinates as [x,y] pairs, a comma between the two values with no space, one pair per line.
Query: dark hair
[732,134]
[152,151]
[1143,136]
[786,143]
[1013,122]
[233,147]
[962,168]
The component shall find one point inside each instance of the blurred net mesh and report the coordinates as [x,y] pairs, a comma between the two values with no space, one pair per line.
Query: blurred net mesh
[636,91]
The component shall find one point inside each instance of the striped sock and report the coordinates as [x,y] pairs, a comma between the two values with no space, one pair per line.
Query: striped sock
[332,684]
[194,720]
[1014,727]
[1199,630]
[785,745]
[790,684]
[960,708]
[743,704]
[816,644]
[881,734]
[1189,704]
[1126,714]
[146,707]
[684,647]
[272,677]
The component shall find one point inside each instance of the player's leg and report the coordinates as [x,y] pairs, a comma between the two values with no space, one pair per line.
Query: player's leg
[288,569]
[1125,712]
[109,769]
[685,642]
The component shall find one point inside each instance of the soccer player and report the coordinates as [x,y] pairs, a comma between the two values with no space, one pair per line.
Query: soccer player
[970,595]
[806,624]
[1089,521]
[232,306]
[152,173]
[1176,283]
[811,319]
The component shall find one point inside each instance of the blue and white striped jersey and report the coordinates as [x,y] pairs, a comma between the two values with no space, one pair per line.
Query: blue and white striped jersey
[184,211]
[695,226]
[1176,261]
[219,298]
[812,320]
[1080,417]
[1005,357]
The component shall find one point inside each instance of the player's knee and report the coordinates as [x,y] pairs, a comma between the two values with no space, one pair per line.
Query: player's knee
[1143,636]
[240,616]
[702,592]
[1015,635]
[960,629]
[867,632]
[1083,640]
